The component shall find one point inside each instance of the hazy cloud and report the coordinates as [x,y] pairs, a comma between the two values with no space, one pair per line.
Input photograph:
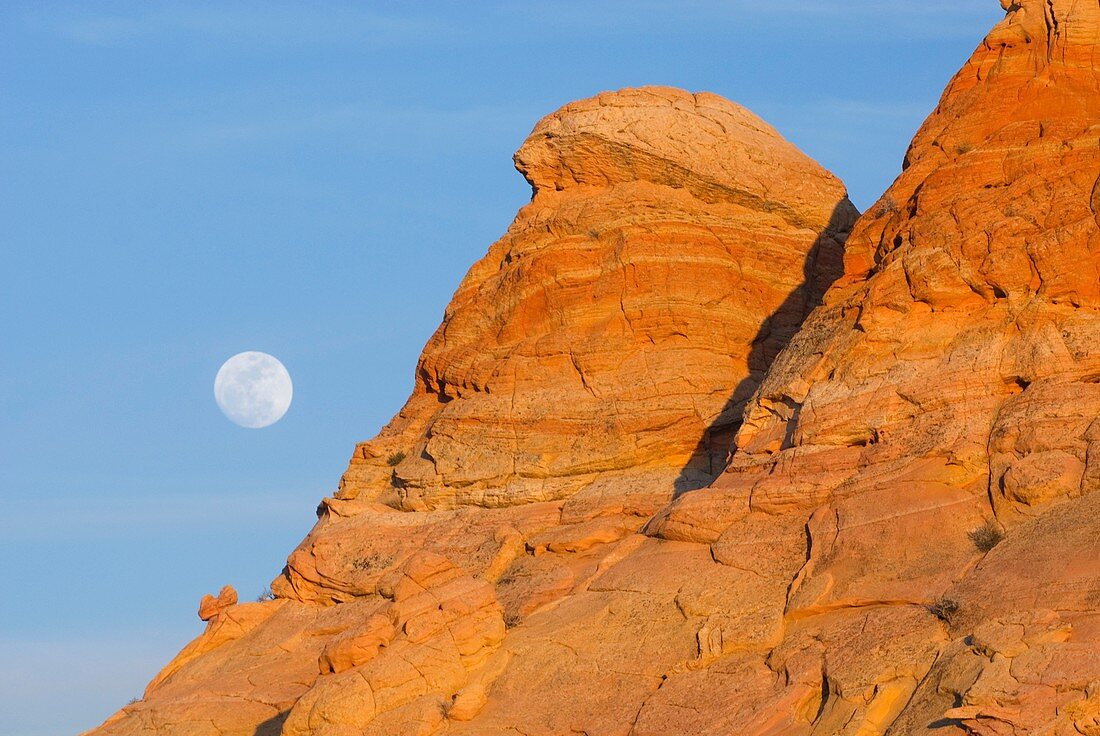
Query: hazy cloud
[364,119]
[928,19]
[282,24]
[251,23]
[95,516]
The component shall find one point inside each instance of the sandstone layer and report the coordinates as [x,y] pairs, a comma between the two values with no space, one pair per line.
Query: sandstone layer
[945,396]
[905,538]
[590,368]
[672,246]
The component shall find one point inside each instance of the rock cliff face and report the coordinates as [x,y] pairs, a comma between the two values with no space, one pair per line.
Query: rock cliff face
[673,245]
[906,536]
[947,395]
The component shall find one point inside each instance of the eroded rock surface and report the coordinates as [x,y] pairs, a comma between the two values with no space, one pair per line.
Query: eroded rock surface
[590,368]
[673,244]
[906,539]
[944,396]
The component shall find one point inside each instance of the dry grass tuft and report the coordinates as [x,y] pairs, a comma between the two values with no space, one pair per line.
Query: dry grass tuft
[987,536]
[945,609]
[886,206]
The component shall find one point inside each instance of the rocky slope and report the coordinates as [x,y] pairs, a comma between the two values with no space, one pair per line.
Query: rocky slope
[672,246]
[946,395]
[905,539]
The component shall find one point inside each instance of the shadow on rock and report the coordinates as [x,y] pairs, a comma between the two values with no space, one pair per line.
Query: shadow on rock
[824,264]
[272,726]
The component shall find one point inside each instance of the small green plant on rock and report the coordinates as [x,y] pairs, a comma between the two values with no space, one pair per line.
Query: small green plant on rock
[395,459]
[964,148]
[987,536]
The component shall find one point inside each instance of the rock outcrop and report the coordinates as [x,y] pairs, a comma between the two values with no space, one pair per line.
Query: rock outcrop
[945,396]
[590,368]
[672,246]
[609,508]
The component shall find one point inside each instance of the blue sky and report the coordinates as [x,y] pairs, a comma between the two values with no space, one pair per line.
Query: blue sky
[182,182]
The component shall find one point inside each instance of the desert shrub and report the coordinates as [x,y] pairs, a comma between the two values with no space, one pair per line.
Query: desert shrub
[265,595]
[373,561]
[987,536]
[944,608]
[396,458]
[886,206]
[964,147]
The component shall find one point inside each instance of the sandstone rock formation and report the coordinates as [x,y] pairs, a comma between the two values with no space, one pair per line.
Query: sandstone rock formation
[906,535]
[591,367]
[951,378]
[209,606]
[673,244]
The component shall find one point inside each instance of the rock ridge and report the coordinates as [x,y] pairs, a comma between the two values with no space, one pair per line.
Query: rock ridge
[637,491]
[664,229]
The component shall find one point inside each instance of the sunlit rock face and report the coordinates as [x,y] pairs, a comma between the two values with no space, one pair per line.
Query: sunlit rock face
[907,537]
[952,377]
[673,244]
[591,367]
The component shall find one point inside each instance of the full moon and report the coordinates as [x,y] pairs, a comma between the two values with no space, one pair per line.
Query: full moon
[253,389]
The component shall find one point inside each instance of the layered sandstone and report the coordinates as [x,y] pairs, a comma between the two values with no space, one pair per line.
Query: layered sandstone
[945,395]
[906,539]
[590,368]
[672,246]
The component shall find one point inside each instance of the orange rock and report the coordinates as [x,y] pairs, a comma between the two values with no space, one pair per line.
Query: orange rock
[528,548]
[590,368]
[673,244]
[359,648]
[209,606]
[951,376]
